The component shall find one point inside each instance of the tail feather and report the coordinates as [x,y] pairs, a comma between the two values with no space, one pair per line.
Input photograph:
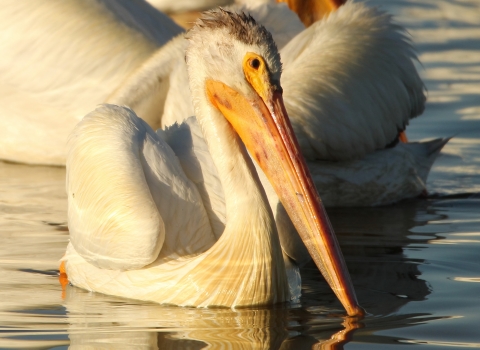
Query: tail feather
[435,146]
[426,158]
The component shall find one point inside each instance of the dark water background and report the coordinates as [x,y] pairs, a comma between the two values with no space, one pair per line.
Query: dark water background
[415,265]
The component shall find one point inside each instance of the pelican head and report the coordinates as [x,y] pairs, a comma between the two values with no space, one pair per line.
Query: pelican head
[234,49]
[234,69]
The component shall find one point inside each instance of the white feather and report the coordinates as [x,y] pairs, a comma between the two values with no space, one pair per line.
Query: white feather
[189,145]
[380,178]
[129,199]
[350,83]
[126,189]
[60,59]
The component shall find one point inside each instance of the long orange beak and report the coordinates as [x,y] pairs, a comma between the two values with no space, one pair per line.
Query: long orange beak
[265,129]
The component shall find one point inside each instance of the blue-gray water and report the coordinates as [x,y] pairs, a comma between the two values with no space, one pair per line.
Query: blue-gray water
[415,265]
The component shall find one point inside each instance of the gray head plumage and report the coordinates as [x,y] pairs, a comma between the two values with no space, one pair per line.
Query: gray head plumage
[241,27]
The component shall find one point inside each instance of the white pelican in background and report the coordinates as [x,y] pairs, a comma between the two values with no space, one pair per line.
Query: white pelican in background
[362,90]
[138,225]
[61,58]
[350,86]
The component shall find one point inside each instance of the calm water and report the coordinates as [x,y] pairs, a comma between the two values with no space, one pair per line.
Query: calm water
[415,265]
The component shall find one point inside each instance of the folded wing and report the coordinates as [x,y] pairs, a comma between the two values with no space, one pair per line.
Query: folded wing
[129,200]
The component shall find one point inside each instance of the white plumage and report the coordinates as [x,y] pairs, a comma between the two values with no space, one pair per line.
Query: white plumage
[359,84]
[349,79]
[382,177]
[126,186]
[129,197]
[198,230]
[120,218]
[61,58]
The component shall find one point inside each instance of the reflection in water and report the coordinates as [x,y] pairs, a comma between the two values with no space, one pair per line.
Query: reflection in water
[96,319]
[33,313]
[373,241]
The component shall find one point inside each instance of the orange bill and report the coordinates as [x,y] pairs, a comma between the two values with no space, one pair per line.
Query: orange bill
[402,136]
[311,11]
[264,127]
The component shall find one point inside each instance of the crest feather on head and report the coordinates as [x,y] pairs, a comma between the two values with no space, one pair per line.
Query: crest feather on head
[240,26]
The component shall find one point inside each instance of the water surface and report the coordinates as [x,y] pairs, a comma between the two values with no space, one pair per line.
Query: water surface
[415,265]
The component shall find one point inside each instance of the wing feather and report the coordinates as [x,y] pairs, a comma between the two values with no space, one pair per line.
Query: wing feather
[128,197]
[350,83]
[189,145]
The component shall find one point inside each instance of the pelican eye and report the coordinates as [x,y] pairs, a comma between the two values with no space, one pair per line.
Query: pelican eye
[256,73]
[254,63]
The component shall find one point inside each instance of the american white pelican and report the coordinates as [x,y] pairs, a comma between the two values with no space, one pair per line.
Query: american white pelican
[350,85]
[138,226]
[59,59]
[350,88]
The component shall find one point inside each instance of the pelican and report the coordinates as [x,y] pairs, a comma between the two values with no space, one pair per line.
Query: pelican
[61,58]
[363,90]
[351,88]
[349,79]
[138,226]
